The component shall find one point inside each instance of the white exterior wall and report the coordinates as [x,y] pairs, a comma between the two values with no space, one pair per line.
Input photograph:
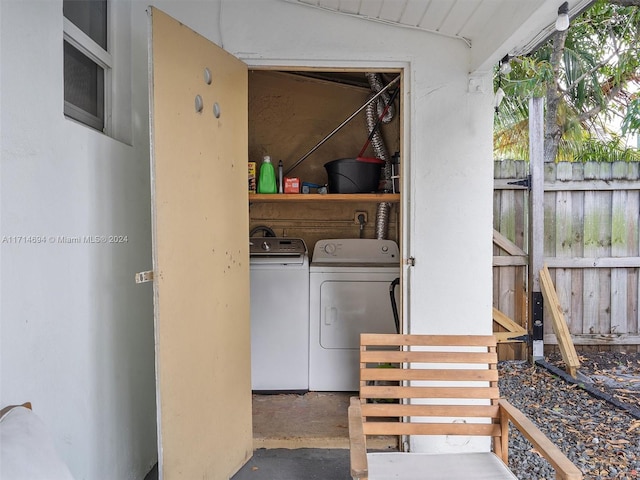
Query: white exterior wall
[76,332]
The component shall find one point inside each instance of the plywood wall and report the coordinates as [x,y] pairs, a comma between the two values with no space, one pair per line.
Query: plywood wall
[313,222]
[288,115]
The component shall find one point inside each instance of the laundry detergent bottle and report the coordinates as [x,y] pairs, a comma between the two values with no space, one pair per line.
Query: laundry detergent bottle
[267,177]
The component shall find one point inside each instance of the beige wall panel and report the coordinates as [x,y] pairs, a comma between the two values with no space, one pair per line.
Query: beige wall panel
[201,259]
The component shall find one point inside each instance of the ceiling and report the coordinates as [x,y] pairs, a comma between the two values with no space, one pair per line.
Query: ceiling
[491,28]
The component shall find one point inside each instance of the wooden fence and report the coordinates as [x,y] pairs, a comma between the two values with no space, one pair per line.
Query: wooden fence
[591,246]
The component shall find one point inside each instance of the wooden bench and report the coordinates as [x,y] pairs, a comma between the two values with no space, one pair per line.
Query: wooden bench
[438,385]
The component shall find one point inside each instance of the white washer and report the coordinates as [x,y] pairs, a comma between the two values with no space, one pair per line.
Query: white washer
[349,294]
[279,270]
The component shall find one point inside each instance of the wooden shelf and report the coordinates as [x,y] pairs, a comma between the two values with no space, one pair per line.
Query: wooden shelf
[329,197]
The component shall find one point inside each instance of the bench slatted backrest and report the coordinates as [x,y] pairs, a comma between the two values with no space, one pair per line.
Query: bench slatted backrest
[404,378]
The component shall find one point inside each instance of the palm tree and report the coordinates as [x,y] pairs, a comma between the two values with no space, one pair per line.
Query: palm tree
[589,76]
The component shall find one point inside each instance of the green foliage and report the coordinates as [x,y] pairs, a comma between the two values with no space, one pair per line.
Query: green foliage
[631,122]
[586,150]
[598,72]
[614,150]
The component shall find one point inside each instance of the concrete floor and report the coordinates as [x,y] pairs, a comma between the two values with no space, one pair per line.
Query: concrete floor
[291,464]
[300,436]
[310,420]
[297,464]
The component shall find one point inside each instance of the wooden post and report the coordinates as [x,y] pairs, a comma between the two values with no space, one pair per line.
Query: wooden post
[536,225]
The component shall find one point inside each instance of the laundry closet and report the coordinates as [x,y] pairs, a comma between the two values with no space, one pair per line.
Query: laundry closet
[305,334]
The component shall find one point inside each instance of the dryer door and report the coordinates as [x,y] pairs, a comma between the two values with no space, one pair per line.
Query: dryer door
[351,307]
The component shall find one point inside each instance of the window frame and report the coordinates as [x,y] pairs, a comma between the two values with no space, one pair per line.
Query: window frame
[103,58]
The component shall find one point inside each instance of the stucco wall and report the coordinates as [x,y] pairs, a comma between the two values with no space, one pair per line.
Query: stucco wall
[77,333]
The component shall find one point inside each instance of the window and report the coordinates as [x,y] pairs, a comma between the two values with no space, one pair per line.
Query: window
[87,62]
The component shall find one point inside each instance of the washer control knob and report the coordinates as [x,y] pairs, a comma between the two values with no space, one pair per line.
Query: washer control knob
[266,246]
[330,248]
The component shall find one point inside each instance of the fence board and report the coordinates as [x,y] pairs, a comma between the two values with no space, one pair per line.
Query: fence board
[619,248]
[577,250]
[564,240]
[517,207]
[632,221]
[604,247]
[550,232]
[522,238]
[506,302]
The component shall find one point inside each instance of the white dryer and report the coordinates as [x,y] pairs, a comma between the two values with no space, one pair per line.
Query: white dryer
[349,293]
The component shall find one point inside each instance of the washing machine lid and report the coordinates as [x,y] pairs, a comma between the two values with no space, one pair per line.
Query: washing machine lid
[276,247]
[356,251]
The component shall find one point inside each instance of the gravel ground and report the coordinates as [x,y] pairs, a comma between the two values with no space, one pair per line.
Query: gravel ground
[600,438]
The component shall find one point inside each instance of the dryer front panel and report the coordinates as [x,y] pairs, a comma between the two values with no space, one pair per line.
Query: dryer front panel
[349,308]
[343,303]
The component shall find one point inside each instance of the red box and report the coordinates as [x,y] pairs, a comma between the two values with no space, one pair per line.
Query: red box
[291,185]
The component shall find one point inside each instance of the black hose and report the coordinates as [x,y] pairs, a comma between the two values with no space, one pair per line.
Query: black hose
[262,228]
[594,392]
[394,306]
